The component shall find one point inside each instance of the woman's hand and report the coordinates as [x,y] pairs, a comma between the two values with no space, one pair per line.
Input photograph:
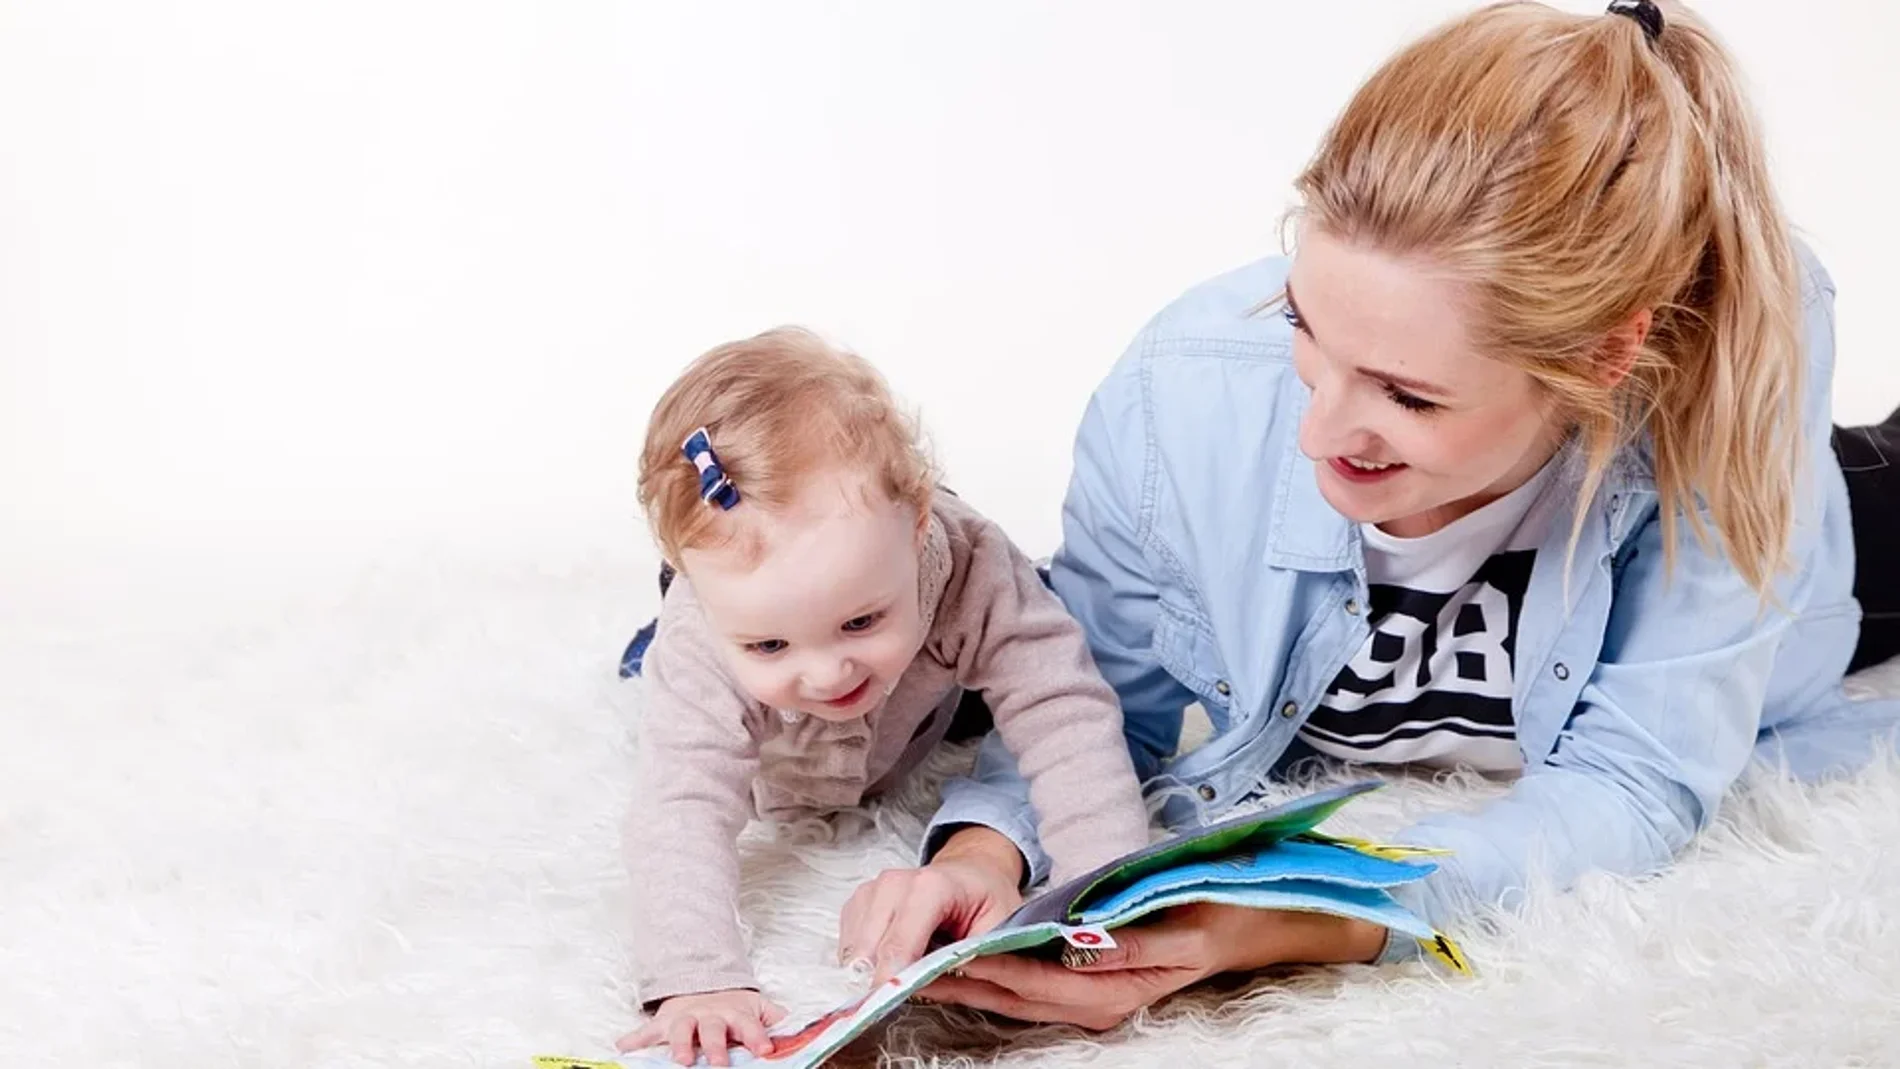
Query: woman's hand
[1152,961]
[713,1021]
[971,886]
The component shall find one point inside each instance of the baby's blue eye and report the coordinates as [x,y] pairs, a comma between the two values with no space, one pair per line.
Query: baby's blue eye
[1291,315]
[766,647]
[862,623]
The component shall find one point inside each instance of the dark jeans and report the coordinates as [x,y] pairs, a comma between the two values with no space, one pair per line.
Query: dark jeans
[1868,457]
[635,654]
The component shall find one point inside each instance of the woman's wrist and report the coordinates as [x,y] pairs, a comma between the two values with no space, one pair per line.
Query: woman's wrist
[1362,943]
[985,846]
[1287,937]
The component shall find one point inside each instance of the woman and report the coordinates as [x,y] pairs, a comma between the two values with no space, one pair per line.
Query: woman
[1521,463]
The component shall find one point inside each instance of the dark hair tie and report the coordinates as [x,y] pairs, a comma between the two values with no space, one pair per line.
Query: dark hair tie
[1645,12]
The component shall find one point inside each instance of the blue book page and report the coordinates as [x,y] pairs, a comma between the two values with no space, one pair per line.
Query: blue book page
[1372,904]
[1290,860]
[1249,831]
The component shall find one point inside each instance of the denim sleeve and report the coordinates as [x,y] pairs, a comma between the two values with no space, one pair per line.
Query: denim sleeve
[1667,720]
[1399,949]
[995,796]
[1104,574]
[1665,724]
[1107,582]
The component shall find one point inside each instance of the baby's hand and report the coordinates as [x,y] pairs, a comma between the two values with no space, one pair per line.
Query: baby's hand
[714,1020]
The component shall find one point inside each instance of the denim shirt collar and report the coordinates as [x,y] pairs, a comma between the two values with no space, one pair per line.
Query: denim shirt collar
[1306,533]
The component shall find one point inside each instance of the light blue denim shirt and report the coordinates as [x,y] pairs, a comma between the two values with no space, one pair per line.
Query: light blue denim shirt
[1205,567]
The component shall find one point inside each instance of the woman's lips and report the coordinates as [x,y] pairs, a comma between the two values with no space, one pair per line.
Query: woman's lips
[1350,472]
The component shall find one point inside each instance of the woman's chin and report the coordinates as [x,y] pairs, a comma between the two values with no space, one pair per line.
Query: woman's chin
[1360,504]
[1392,504]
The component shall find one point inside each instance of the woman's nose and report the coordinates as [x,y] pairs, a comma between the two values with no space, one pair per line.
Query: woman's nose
[1328,428]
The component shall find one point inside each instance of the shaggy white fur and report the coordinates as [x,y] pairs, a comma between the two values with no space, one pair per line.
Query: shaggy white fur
[377,826]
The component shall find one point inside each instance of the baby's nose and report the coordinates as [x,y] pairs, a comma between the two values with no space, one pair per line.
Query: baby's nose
[827,677]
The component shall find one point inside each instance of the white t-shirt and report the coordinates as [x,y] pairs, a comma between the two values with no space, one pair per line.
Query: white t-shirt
[1432,684]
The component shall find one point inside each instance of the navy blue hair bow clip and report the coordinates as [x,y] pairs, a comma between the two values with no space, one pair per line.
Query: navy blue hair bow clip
[714,487]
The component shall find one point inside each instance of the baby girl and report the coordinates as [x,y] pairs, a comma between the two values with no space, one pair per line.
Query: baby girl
[830,607]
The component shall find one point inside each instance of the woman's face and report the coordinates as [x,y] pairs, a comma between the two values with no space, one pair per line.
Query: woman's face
[1410,427]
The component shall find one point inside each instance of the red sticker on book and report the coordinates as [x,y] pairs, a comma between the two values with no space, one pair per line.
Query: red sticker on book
[1089,937]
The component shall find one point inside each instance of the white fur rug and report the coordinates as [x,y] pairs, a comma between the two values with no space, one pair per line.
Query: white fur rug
[373,822]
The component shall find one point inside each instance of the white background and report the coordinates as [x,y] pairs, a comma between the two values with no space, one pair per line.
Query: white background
[287,282]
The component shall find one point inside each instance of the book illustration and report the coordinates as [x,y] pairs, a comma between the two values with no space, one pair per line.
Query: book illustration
[1272,859]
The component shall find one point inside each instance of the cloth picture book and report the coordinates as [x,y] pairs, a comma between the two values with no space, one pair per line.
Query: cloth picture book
[1272,859]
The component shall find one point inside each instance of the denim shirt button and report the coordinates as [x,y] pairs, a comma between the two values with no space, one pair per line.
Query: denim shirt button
[1290,710]
[1561,671]
[1221,688]
[1352,606]
[1206,792]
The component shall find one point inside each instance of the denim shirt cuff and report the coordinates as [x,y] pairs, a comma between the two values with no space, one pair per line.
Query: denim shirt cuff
[1399,949]
[1009,824]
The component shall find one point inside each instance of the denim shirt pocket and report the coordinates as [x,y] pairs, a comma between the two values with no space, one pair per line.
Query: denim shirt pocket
[1184,646]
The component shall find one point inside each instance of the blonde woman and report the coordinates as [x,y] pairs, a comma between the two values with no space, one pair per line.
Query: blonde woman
[1520,463]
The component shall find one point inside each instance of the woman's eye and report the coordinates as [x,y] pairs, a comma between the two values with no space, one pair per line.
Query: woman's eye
[1292,316]
[862,623]
[766,647]
[1410,401]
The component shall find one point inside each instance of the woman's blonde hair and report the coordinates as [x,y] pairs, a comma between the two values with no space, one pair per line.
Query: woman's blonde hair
[777,408]
[1570,171]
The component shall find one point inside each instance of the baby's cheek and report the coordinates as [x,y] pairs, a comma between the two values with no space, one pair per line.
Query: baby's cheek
[764,685]
[898,650]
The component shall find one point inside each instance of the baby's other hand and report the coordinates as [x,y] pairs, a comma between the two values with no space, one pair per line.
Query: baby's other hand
[715,1021]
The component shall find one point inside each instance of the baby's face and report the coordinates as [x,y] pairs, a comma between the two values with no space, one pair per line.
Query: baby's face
[826,620]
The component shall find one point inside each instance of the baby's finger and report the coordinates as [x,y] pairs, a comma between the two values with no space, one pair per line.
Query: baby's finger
[770,1012]
[749,1032]
[644,1036]
[679,1036]
[712,1036]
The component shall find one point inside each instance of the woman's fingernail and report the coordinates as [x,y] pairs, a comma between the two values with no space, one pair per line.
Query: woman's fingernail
[860,969]
[1075,957]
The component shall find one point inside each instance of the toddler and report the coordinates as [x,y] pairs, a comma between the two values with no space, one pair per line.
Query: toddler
[830,605]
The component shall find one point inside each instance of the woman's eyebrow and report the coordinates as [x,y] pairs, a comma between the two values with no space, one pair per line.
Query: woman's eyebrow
[1410,385]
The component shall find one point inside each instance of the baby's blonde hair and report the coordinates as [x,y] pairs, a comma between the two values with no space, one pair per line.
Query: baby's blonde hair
[1568,172]
[778,408]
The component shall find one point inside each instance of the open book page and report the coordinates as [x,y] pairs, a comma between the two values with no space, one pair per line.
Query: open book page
[1262,861]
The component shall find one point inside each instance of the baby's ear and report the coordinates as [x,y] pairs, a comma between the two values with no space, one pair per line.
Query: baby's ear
[920,531]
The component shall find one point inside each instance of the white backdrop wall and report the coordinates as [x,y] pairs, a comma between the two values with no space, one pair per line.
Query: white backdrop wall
[286,282]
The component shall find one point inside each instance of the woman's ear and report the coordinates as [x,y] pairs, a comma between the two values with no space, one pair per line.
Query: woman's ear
[1624,345]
